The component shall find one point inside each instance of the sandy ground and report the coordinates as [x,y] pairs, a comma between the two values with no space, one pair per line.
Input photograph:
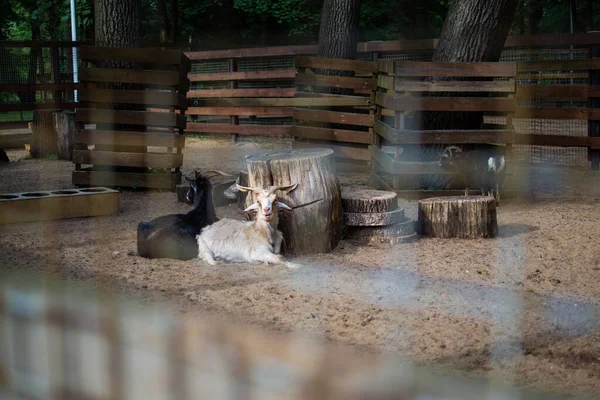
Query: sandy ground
[524,307]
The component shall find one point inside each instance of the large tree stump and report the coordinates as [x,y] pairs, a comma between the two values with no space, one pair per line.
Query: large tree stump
[64,127]
[315,224]
[43,138]
[467,217]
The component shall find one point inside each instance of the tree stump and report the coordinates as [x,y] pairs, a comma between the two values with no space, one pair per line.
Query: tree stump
[64,127]
[43,138]
[369,201]
[467,217]
[315,224]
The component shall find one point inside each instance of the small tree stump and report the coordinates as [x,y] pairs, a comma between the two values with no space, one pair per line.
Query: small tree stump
[64,127]
[315,224]
[467,217]
[374,219]
[43,138]
[369,201]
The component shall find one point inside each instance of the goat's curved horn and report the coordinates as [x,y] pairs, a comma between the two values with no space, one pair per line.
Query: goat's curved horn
[247,189]
[214,172]
[285,188]
[449,149]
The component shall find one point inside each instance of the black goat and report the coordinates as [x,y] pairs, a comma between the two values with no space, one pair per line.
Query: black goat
[174,235]
[481,168]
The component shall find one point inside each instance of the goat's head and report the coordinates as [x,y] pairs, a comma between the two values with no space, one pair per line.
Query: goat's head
[447,156]
[266,203]
[200,185]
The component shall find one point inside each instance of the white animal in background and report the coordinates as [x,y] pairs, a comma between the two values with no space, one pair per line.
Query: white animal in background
[256,241]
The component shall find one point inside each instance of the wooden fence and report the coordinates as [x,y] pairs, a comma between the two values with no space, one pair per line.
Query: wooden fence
[65,341]
[132,145]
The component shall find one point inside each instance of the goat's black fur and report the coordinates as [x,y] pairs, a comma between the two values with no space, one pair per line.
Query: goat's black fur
[174,236]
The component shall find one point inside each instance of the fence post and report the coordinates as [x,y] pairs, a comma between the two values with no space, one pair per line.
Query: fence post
[594,103]
[233,119]
[55,73]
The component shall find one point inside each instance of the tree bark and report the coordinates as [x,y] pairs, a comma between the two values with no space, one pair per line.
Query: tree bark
[43,137]
[64,127]
[374,218]
[118,23]
[174,22]
[536,12]
[369,201]
[163,19]
[467,217]
[338,35]
[315,224]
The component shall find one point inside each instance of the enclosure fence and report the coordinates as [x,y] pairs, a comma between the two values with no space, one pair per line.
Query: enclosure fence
[60,340]
[557,88]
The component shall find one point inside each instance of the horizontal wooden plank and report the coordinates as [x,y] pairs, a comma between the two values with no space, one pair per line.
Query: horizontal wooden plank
[240,129]
[336,135]
[13,140]
[553,39]
[37,106]
[413,103]
[455,69]
[552,113]
[271,111]
[22,87]
[146,97]
[126,179]
[142,55]
[558,65]
[252,52]
[163,119]
[125,138]
[547,76]
[402,85]
[279,74]
[123,159]
[347,151]
[364,84]
[398,167]
[557,91]
[557,140]
[333,117]
[397,136]
[334,63]
[331,101]
[397,45]
[255,92]
[13,124]
[110,75]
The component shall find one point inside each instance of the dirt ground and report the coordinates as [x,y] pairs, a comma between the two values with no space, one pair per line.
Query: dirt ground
[524,307]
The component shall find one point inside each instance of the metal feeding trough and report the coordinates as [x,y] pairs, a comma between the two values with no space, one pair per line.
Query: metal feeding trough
[57,204]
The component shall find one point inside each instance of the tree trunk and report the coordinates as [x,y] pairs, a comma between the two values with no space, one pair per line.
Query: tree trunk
[174,23]
[536,12]
[43,137]
[315,224]
[118,23]
[467,217]
[163,19]
[64,126]
[338,35]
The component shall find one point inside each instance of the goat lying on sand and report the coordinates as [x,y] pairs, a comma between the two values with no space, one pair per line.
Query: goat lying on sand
[483,168]
[255,241]
[174,235]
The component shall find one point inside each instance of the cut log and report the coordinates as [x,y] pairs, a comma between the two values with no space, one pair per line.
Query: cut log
[374,219]
[381,234]
[315,224]
[369,201]
[64,126]
[242,196]
[43,138]
[467,217]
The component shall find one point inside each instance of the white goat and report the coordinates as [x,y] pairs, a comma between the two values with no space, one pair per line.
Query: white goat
[255,241]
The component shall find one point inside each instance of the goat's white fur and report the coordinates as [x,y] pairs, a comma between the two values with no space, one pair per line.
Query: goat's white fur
[255,241]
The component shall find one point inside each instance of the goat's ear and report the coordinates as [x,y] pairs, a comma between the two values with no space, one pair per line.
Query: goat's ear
[283,206]
[287,188]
